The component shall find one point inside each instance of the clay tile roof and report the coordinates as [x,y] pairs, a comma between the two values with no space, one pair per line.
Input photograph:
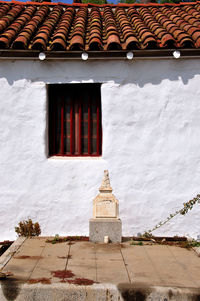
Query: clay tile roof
[69,27]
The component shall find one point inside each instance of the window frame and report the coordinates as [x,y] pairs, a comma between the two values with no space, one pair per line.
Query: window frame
[54,102]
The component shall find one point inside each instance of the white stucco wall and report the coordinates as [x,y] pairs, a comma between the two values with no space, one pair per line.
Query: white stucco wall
[151,146]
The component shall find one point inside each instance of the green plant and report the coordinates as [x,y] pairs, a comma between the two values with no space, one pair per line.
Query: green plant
[194,244]
[135,243]
[55,239]
[186,207]
[28,228]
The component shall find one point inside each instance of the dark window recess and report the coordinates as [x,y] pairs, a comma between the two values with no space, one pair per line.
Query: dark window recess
[75,120]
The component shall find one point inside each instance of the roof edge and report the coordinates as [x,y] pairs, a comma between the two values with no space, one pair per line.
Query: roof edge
[99,55]
[100,5]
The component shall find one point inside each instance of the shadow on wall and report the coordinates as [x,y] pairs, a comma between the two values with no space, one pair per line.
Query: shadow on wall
[140,72]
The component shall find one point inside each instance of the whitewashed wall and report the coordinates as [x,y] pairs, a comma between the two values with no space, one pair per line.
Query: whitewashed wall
[151,146]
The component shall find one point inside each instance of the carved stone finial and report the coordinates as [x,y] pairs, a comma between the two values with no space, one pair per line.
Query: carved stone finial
[105,205]
[105,185]
[105,221]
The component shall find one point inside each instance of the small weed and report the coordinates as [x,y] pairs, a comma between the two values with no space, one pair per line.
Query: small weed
[55,239]
[195,244]
[28,228]
[192,244]
[135,243]
[58,239]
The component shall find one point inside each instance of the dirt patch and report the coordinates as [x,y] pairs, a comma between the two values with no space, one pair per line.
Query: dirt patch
[5,274]
[77,238]
[28,257]
[132,293]
[65,257]
[39,280]
[175,241]
[56,240]
[4,245]
[10,288]
[81,281]
[63,274]
[160,238]
[181,244]
[70,243]
[196,298]
[170,293]
[109,248]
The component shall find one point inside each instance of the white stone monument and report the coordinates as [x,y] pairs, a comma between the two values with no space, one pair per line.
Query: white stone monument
[105,221]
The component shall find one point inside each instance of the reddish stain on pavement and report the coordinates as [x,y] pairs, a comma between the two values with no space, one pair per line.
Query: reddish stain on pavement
[39,280]
[28,257]
[63,274]
[81,281]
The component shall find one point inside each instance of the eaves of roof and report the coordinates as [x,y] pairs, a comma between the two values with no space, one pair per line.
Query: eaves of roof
[64,31]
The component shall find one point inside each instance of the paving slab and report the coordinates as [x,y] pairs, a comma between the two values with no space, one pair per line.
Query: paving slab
[82,261]
[81,271]
[170,270]
[11,251]
[82,250]
[190,264]
[53,257]
[110,264]
[139,266]
[108,251]
[25,258]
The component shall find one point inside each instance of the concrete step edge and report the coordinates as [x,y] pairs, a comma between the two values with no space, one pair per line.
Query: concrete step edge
[11,290]
[6,256]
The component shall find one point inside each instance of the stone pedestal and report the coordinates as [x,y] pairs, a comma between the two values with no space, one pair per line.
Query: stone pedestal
[111,227]
[105,221]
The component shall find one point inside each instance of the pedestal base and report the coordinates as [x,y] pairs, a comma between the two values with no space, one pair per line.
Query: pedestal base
[110,227]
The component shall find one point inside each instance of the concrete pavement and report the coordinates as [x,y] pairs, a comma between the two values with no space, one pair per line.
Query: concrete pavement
[88,271]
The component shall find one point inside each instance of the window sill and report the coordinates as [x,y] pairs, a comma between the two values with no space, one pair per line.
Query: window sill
[86,158]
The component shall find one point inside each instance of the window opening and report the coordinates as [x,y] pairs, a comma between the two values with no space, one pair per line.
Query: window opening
[75,120]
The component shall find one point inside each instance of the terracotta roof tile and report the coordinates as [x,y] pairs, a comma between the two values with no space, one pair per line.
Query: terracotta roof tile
[112,34]
[95,41]
[50,26]
[24,37]
[129,35]
[59,39]
[163,36]
[43,36]
[146,37]
[77,36]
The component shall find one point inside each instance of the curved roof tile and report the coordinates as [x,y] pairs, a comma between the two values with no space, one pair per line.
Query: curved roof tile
[59,26]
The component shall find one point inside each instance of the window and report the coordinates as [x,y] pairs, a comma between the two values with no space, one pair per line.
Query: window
[75,120]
